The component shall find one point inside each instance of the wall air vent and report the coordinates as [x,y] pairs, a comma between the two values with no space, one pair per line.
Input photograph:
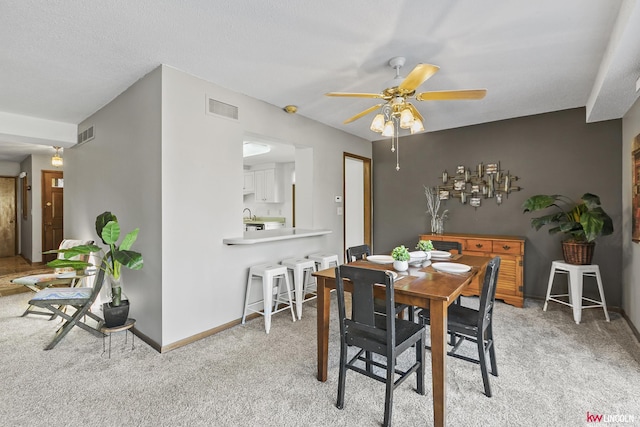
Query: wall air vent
[222,109]
[85,135]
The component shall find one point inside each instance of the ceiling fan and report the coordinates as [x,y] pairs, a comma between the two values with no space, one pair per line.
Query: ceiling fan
[397,107]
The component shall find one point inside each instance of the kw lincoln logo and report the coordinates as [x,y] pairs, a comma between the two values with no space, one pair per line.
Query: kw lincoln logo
[609,418]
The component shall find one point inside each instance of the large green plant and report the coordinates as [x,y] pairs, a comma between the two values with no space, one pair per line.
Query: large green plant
[583,221]
[117,257]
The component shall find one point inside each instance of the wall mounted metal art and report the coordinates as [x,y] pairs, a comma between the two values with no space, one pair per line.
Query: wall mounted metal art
[488,181]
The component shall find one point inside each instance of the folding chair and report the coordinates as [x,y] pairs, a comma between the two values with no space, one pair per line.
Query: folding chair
[54,299]
[38,282]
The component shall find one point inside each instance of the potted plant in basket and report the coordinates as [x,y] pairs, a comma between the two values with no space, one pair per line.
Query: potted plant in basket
[581,222]
[401,257]
[118,256]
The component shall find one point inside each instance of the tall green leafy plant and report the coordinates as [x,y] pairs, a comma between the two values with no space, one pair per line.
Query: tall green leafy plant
[581,221]
[118,256]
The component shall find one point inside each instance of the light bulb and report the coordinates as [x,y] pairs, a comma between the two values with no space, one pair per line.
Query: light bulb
[388,129]
[417,126]
[377,125]
[406,119]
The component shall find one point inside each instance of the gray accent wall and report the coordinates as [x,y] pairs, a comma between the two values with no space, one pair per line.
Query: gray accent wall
[553,153]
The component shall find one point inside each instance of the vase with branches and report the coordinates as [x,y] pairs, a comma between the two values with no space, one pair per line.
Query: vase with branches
[433,207]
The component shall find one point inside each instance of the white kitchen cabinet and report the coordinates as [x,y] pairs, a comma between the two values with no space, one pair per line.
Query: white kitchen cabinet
[267,186]
[249,182]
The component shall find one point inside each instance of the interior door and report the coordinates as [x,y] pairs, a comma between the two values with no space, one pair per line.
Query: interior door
[52,212]
[357,201]
[7,216]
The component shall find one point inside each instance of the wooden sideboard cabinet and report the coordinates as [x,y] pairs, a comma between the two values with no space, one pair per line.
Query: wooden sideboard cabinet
[510,249]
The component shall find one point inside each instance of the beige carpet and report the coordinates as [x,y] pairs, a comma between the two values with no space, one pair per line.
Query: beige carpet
[552,373]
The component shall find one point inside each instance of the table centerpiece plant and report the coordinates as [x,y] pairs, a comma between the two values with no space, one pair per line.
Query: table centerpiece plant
[424,245]
[118,256]
[401,257]
[581,223]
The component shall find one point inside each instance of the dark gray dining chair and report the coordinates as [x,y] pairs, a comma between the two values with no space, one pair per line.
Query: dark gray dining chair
[355,253]
[469,324]
[372,332]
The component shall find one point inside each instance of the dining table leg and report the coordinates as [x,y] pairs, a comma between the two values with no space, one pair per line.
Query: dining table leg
[438,309]
[324,305]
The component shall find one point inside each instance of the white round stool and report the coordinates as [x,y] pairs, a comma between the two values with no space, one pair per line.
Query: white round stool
[271,275]
[324,260]
[575,274]
[302,268]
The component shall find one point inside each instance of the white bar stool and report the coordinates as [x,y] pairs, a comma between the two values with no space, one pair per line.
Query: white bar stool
[301,268]
[271,275]
[575,274]
[324,260]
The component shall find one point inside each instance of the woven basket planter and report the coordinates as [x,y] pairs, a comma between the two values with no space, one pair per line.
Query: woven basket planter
[578,253]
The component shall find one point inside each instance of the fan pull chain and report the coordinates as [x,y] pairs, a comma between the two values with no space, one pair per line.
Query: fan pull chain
[397,152]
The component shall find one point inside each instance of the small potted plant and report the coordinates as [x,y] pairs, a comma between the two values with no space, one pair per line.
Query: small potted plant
[401,257]
[581,222]
[118,256]
[424,245]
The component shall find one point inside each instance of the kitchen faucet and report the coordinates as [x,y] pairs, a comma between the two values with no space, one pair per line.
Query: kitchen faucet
[247,209]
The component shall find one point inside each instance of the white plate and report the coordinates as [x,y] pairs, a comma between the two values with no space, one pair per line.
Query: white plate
[440,254]
[451,267]
[380,259]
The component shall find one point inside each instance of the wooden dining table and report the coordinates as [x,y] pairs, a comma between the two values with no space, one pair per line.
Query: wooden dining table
[420,286]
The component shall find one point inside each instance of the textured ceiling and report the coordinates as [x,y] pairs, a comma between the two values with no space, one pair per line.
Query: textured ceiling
[63,61]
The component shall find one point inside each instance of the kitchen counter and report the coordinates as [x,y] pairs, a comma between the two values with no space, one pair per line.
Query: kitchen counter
[254,237]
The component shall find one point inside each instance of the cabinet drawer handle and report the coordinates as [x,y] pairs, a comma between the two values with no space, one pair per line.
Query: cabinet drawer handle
[506,247]
[478,245]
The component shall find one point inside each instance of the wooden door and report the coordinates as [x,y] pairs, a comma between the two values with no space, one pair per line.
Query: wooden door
[52,213]
[7,216]
[356,201]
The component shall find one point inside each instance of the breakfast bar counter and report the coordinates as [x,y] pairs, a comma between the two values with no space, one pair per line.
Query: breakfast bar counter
[255,237]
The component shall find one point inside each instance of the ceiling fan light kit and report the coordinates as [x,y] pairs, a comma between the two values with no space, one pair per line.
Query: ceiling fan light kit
[396,112]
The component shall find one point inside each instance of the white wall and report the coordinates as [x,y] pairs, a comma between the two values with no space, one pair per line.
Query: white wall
[120,171]
[630,250]
[160,163]
[203,279]
[9,168]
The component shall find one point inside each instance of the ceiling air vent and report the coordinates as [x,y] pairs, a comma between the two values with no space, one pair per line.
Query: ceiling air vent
[220,108]
[85,135]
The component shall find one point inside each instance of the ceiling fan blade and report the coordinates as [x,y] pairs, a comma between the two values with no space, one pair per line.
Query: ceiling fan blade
[355,95]
[362,114]
[415,112]
[445,95]
[416,77]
